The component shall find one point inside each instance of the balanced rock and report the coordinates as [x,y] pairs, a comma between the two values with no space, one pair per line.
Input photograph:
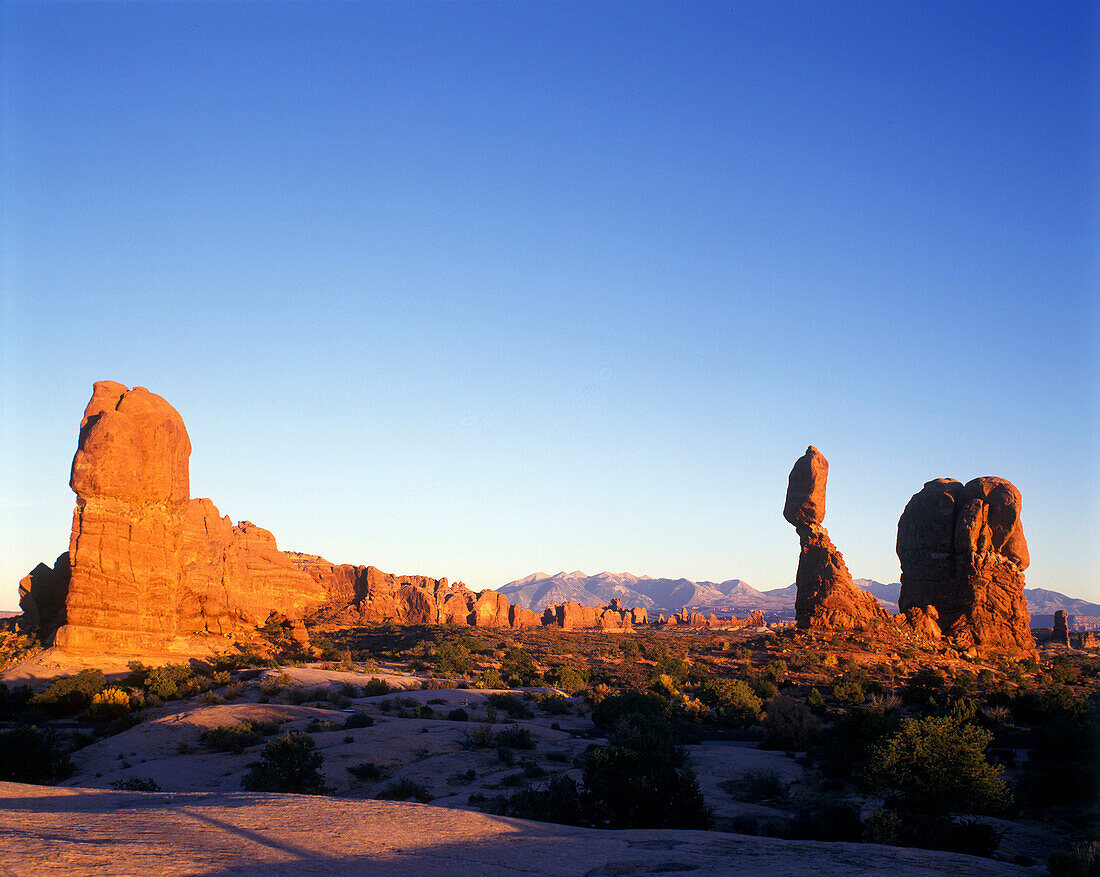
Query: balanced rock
[962,551]
[1061,628]
[825,597]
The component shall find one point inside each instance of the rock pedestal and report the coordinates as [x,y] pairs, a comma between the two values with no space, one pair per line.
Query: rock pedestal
[826,597]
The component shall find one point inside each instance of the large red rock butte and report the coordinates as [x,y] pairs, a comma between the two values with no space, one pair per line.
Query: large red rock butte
[152,572]
[825,597]
[963,554]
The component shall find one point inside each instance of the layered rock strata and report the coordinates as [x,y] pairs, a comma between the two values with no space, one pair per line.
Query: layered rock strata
[963,552]
[150,570]
[826,597]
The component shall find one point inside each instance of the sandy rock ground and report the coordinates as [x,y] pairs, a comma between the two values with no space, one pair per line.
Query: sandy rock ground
[46,830]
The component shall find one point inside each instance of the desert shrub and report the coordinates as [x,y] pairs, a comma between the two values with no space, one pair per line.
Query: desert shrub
[70,694]
[402,790]
[935,765]
[164,682]
[843,748]
[358,720]
[237,738]
[425,712]
[367,771]
[453,658]
[514,738]
[318,725]
[762,686]
[507,756]
[611,710]
[849,690]
[108,704]
[518,668]
[288,764]
[924,686]
[624,788]
[555,705]
[776,671]
[136,784]
[788,724]
[375,687]
[1079,860]
[834,822]
[32,755]
[732,700]
[231,738]
[558,801]
[478,737]
[1048,704]
[491,678]
[510,704]
[815,702]
[758,785]
[1064,766]
[931,831]
[458,715]
[568,678]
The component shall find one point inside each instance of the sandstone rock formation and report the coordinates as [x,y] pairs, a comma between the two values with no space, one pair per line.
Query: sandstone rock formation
[150,570]
[1087,640]
[1061,628]
[962,551]
[826,596]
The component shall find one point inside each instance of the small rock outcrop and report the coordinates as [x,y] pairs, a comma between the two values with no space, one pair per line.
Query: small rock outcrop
[826,597]
[963,552]
[1061,628]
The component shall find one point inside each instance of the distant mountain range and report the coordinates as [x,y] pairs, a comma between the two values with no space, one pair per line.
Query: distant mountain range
[734,596]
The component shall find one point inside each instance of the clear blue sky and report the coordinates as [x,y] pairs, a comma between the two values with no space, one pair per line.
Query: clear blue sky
[478,290]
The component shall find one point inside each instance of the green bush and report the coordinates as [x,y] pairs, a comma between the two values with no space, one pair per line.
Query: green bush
[1080,860]
[732,700]
[288,764]
[936,765]
[789,724]
[452,658]
[848,690]
[32,755]
[71,694]
[514,738]
[367,771]
[518,668]
[624,788]
[136,784]
[458,715]
[376,687]
[358,720]
[402,790]
[510,704]
[568,678]
[758,785]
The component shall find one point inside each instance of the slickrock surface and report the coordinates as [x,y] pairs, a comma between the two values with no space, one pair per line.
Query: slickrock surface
[962,551]
[826,596]
[73,832]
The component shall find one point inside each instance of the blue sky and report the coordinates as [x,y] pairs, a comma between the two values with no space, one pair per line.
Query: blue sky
[475,290]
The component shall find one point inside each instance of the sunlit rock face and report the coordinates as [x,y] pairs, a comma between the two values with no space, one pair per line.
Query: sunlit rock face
[963,552]
[151,570]
[825,597]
